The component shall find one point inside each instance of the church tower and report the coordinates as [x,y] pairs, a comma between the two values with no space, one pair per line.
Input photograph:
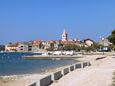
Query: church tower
[64,36]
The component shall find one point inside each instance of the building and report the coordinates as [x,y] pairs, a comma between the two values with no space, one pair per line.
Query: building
[23,47]
[88,42]
[64,36]
[37,45]
[31,46]
[65,39]
[11,47]
[2,47]
[104,42]
[50,44]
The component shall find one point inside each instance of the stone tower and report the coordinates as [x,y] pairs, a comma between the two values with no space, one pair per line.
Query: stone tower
[64,36]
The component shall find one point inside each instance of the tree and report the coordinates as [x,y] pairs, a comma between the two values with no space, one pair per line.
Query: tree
[112,47]
[97,46]
[111,38]
[50,49]
[71,47]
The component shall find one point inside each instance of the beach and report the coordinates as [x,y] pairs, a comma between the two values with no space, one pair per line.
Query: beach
[98,74]
[15,71]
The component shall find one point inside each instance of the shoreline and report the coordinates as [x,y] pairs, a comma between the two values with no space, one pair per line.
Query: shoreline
[29,78]
[25,79]
[100,73]
[44,71]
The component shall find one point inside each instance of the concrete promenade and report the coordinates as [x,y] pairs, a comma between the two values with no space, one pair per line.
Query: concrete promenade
[99,74]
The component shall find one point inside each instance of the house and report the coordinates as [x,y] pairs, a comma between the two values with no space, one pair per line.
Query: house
[88,42]
[11,47]
[22,47]
[31,46]
[37,45]
[2,47]
[72,42]
[104,42]
[50,44]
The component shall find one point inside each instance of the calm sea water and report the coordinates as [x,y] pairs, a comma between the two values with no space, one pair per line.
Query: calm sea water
[13,64]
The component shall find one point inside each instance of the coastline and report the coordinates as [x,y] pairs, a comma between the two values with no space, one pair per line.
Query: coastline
[100,73]
[24,80]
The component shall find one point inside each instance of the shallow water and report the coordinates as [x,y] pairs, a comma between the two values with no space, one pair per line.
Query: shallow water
[13,64]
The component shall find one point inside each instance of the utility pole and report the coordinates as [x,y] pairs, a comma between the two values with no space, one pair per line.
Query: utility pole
[103,45]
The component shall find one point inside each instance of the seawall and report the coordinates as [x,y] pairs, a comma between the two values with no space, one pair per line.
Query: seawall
[46,81]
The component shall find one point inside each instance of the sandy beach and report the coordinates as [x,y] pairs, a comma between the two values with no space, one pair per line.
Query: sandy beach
[22,80]
[26,79]
[98,74]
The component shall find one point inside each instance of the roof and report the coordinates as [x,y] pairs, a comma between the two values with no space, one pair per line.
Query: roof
[88,39]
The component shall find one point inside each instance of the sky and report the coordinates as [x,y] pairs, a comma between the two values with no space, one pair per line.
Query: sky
[25,20]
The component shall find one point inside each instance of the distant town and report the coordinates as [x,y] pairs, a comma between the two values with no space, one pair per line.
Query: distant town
[52,45]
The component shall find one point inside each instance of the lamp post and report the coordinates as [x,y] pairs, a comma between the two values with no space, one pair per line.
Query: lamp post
[103,45]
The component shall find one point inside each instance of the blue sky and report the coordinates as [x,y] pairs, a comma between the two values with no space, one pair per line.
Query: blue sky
[24,20]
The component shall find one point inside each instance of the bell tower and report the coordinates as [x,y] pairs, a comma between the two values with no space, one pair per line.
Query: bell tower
[64,35]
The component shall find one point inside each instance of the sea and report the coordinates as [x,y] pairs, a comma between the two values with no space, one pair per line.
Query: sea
[14,64]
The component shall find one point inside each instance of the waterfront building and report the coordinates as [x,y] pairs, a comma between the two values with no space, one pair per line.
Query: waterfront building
[88,42]
[11,47]
[23,47]
[66,41]
[2,47]
[31,46]
[72,42]
[58,45]
[45,45]
[104,42]
[49,44]
[37,45]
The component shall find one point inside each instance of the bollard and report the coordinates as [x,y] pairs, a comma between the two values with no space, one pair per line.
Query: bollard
[65,71]
[46,81]
[84,64]
[57,75]
[72,68]
[78,66]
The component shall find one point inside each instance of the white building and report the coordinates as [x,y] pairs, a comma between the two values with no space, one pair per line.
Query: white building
[88,42]
[104,42]
[22,47]
[64,36]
